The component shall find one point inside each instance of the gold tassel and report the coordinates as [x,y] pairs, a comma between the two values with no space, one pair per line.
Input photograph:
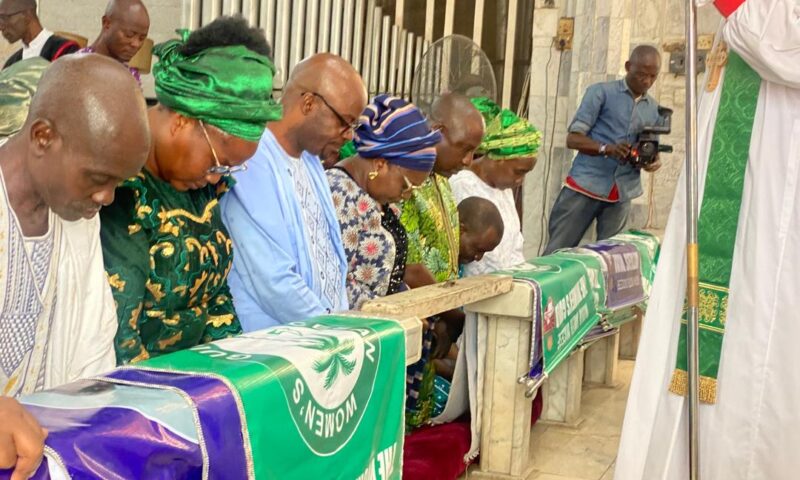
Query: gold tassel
[679,385]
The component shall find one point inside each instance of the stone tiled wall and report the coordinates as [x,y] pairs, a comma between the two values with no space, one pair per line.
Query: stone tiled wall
[83,17]
[605,33]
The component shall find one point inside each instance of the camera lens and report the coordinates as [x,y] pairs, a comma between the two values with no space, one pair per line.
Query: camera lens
[647,149]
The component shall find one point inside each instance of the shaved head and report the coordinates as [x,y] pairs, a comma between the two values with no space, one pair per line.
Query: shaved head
[481,228]
[462,128]
[86,131]
[643,68]
[643,53]
[478,214]
[324,96]
[126,24]
[98,106]
[451,107]
[122,8]
[328,75]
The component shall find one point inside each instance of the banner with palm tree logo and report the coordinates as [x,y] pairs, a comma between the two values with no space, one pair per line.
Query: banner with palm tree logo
[323,398]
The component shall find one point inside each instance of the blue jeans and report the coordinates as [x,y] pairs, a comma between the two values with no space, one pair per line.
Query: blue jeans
[574,212]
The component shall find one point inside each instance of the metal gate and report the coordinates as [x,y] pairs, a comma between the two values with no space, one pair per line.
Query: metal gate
[374,39]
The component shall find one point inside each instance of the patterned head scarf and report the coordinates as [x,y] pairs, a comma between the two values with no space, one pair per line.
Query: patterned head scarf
[17,85]
[507,135]
[229,87]
[396,131]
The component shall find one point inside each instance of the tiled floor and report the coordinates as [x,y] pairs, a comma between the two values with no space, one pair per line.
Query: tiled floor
[589,451]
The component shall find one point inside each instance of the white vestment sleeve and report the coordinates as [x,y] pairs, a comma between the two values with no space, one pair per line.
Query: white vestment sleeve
[766,33]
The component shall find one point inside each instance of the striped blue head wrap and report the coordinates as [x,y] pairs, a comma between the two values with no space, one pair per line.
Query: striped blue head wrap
[396,131]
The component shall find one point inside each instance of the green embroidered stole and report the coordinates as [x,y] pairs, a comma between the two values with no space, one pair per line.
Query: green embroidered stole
[718,221]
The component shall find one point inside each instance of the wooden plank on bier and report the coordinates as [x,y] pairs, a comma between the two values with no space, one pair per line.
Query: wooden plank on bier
[413,330]
[434,299]
[517,302]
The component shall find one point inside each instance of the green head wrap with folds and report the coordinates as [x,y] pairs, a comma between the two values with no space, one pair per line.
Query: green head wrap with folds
[228,87]
[507,135]
[17,85]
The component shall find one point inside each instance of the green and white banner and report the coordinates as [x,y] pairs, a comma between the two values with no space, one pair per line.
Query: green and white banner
[567,307]
[323,398]
[649,249]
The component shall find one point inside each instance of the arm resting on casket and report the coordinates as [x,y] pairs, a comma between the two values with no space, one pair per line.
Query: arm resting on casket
[21,439]
[221,321]
[417,275]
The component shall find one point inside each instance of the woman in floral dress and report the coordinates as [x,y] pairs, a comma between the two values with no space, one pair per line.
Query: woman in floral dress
[395,154]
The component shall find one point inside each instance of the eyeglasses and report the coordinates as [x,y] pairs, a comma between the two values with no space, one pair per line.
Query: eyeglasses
[410,187]
[346,126]
[218,168]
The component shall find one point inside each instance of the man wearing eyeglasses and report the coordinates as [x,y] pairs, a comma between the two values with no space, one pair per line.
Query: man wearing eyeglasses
[290,263]
[18,21]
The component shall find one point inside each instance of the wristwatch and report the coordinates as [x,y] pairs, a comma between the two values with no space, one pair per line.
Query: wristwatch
[602,149]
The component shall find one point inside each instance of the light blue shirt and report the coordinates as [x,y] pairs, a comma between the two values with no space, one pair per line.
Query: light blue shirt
[285,268]
[609,114]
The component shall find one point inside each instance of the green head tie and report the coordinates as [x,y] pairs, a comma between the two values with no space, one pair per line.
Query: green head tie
[507,135]
[228,87]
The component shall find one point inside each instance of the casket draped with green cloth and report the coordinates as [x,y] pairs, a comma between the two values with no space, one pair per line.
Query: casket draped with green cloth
[622,270]
[598,285]
[564,307]
[323,398]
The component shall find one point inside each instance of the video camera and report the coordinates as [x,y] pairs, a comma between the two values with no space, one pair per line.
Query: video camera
[647,147]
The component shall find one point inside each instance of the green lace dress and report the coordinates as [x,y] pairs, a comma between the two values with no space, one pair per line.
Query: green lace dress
[167,255]
[430,218]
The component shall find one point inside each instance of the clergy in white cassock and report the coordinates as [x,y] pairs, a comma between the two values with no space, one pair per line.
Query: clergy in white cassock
[86,131]
[749,238]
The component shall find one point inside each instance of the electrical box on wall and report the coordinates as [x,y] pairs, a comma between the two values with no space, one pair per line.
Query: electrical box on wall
[677,62]
[677,54]
[564,33]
